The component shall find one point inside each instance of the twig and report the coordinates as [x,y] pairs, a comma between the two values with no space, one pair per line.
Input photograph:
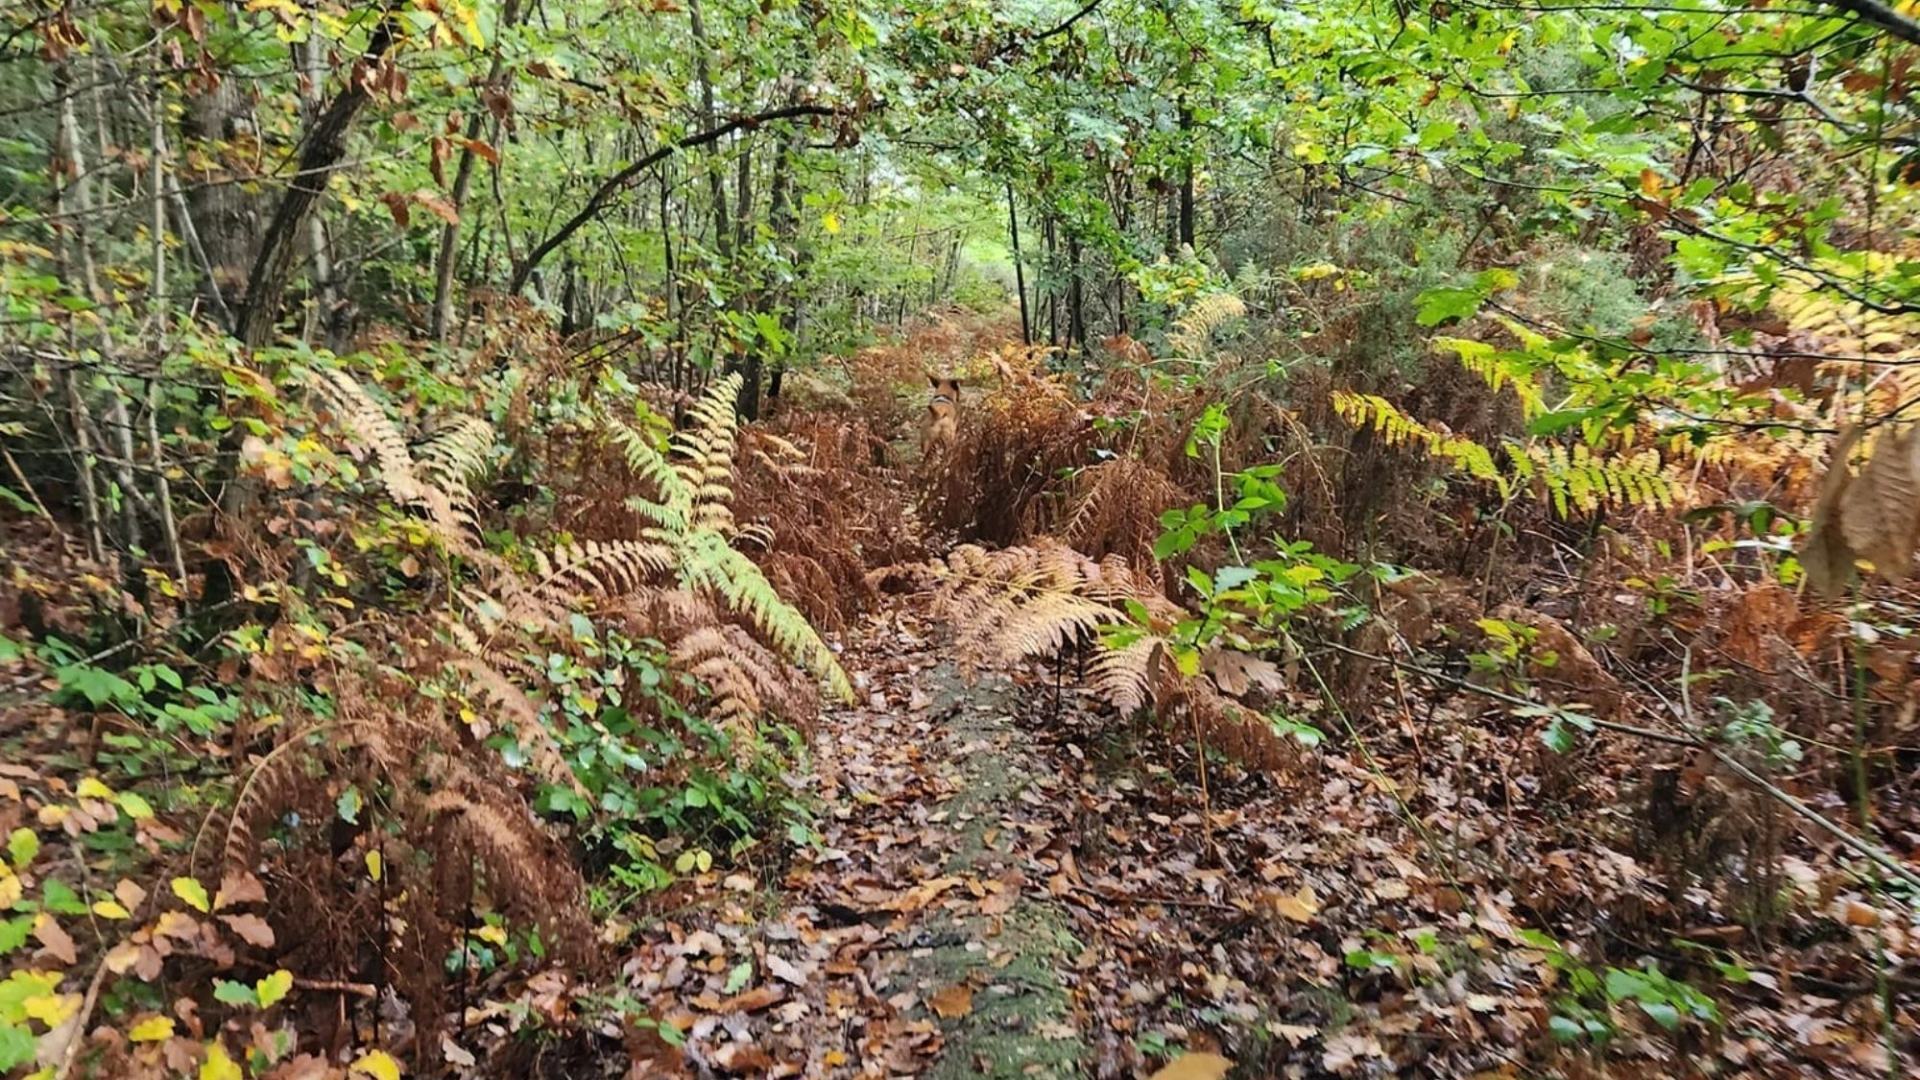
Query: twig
[1877,855]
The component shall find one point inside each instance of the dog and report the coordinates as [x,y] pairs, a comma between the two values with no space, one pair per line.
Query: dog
[941,428]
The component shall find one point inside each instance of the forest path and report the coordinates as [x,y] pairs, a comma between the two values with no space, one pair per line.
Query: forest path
[922,937]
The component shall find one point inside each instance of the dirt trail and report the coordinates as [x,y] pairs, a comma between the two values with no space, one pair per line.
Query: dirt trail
[921,938]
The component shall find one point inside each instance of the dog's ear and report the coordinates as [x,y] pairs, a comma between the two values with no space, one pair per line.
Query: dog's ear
[933,381]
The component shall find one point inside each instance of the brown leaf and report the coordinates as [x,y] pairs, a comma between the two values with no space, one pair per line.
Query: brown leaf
[1236,672]
[1826,558]
[397,206]
[954,1002]
[241,888]
[1195,1067]
[482,149]
[1880,512]
[252,929]
[439,204]
[57,942]
[1301,907]
[754,1000]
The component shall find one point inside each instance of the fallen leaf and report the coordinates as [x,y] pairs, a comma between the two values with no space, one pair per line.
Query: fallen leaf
[242,888]
[377,1064]
[1195,1067]
[1301,907]
[152,1029]
[54,939]
[754,1000]
[954,1002]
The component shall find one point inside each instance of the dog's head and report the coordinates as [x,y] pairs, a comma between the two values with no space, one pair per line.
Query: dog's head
[945,388]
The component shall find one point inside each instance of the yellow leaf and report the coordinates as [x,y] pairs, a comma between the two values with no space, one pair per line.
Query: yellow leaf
[1301,907]
[1195,1067]
[274,987]
[10,891]
[152,1029]
[92,788]
[495,934]
[831,223]
[377,1064]
[218,1065]
[192,892]
[110,909]
[51,1009]
[373,865]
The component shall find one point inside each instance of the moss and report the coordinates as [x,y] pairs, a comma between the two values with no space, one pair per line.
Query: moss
[1015,1002]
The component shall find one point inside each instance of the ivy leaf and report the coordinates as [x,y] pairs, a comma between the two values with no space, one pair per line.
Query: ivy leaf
[192,893]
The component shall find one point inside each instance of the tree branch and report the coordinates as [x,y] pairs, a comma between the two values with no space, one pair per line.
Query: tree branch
[1882,16]
[619,181]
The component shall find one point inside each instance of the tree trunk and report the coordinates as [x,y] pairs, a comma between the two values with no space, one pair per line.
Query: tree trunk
[462,182]
[325,145]
[1186,175]
[1019,270]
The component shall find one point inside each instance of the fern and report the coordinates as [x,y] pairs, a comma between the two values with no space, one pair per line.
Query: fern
[691,530]
[1571,479]
[1398,429]
[1192,334]
[1029,602]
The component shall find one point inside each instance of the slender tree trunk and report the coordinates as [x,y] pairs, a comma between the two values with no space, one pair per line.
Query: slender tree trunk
[463,182]
[716,185]
[1186,175]
[1076,299]
[325,146]
[1019,268]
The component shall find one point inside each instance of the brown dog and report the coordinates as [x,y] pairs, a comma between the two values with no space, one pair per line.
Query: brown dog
[942,425]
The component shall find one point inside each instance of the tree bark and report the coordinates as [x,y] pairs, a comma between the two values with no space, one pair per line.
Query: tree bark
[1019,271]
[325,146]
[463,182]
[1186,176]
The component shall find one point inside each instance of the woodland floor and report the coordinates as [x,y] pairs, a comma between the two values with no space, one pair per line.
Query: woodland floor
[1009,887]
[1014,884]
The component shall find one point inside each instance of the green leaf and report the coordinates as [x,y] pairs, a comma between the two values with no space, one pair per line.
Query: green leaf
[1565,1028]
[134,806]
[739,977]
[234,993]
[16,1047]
[13,933]
[1437,134]
[56,896]
[22,845]
[1663,1014]
[1557,737]
[347,806]
[1439,305]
